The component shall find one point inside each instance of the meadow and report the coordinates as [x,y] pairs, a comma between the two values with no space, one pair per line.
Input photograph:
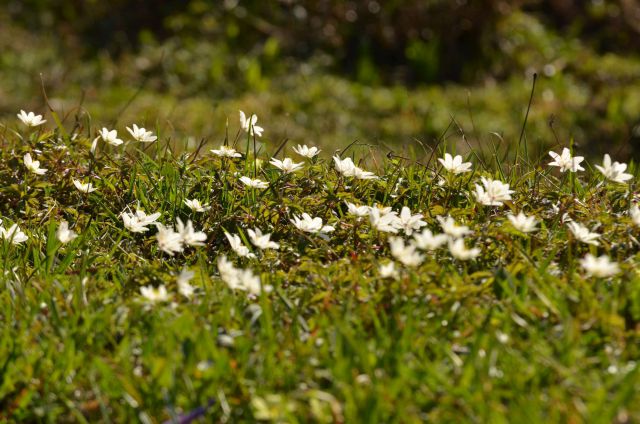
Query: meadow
[148,279]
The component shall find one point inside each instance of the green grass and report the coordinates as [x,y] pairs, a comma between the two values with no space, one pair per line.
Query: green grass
[520,334]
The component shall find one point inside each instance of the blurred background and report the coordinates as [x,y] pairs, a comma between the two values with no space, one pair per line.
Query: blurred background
[392,73]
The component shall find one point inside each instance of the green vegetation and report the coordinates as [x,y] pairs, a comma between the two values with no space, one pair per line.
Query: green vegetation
[170,274]
[521,333]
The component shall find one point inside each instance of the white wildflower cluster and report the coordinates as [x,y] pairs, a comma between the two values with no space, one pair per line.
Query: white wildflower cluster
[406,239]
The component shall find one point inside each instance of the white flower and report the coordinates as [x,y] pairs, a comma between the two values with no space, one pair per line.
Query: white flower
[190,237]
[306,151]
[359,211]
[154,295]
[141,134]
[429,241]
[287,165]
[583,234]
[634,212]
[566,162]
[182,281]
[254,183]
[64,234]
[238,247]
[30,119]
[169,241]
[385,222]
[262,241]
[239,279]
[227,270]
[249,125]
[409,222]
[455,164]
[614,171]
[196,206]
[452,229]
[405,254]
[138,222]
[389,271]
[110,137]
[459,251]
[311,225]
[361,174]
[14,234]
[226,151]
[523,223]
[84,187]
[346,167]
[494,192]
[599,266]
[33,165]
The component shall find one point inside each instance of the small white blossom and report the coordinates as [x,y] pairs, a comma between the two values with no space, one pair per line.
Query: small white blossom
[311,225]
[262,241]
[84,187]
[240,279]
[385,222]
[306,151]
[196,206]
[141,134]
[455,164]
[169,241]
[359,211]
[183,279]
[64,234]
[389,271]
[583,234]
[429,241]
[287,165]
[254,183]
[238,247]
[110,137]
[523,223]
[614,171]
[138,222]
[452,229]
[459,251]
[346,167]
[494,192]
[153,294]
[14,234]
[190,237]
[408,222]
[599,266]
[226,152]
[249,125]
[405,254]
[361,174]
[33,165]
[566,162]
[30,119]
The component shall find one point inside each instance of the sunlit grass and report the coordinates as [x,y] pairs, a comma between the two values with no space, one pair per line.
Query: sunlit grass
[511,325]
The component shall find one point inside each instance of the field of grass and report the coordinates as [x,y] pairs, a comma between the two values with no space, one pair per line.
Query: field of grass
[370,318]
